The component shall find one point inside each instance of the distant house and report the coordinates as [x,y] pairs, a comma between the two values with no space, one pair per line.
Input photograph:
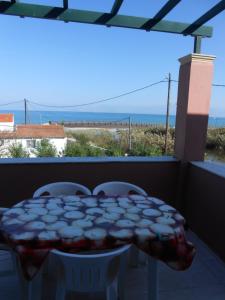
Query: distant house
[28,135]
[6,122]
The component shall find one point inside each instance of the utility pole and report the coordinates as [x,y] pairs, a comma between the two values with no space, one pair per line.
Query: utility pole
[129,133]
[25,111]
[167,113]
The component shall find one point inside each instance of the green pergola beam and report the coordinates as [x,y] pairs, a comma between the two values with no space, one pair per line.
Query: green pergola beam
[92,17]
[65,4]
[215,10]
[197,44]
[116,6]
[161,14]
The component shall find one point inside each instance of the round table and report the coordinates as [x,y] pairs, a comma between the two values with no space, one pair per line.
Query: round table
[79,223]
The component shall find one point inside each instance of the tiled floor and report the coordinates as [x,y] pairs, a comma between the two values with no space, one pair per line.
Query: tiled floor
[204,280]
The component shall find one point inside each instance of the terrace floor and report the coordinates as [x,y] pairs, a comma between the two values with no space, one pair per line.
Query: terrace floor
[204,280]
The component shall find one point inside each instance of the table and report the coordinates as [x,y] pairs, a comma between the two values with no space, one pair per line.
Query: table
[79,223]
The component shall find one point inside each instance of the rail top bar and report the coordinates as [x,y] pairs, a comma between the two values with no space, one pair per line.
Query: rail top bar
[98,18]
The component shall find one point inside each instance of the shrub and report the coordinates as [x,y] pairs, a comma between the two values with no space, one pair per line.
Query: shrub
[92,151]
[45,149]
[16,150]
[77,149]
[216,139]
[145,141]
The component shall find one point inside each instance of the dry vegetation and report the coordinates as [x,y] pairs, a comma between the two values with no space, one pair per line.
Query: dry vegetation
[149,141]
[145,142]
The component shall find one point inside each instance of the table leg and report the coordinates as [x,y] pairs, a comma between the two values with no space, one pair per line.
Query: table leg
[152,279]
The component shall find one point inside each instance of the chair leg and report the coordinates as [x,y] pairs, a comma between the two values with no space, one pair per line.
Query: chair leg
[50,278]
[111,293]
[120,282]
[133,257]
[22,282]
[35,287]
[142,258]
[29,290]
[60,291]
[5,256]
[152,279]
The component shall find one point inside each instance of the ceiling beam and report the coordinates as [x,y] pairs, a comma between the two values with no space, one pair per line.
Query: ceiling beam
[92,17]
[215,10]
[116,6]
[160,14]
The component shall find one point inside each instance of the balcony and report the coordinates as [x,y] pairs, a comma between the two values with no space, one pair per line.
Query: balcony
[199,196]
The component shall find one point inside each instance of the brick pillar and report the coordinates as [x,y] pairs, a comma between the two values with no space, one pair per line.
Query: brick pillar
[194,92]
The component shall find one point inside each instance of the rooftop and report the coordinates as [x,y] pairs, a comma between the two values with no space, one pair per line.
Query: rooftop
[35,131]
[5,118]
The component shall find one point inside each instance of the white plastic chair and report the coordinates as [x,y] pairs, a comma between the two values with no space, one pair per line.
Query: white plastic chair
[62,188]
[92,273]
[111,188]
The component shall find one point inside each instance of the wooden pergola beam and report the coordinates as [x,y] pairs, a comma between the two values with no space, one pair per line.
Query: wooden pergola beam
[93,17]
[65,4]
[215,10]
[116,6]
[161,14]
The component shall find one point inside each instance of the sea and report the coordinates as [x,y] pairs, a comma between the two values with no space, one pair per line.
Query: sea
[41,117]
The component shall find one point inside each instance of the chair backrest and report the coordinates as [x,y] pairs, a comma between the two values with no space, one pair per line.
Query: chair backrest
[90,272]
[118,188]
[62,188]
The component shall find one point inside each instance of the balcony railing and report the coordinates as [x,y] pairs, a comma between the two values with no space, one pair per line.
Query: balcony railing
[201,199]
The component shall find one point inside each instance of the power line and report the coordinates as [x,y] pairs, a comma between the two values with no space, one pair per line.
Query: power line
[223,85]
[9,103]
[214,84]
[100,101]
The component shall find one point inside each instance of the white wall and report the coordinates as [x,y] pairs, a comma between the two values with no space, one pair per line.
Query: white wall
[7,126]
[59,143]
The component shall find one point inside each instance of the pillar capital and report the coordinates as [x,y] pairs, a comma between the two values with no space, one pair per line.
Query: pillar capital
[196,57]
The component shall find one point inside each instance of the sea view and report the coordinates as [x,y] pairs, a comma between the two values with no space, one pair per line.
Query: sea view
[39,117]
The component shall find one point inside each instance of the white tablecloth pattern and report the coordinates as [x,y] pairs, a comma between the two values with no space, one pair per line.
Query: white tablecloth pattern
[80,223]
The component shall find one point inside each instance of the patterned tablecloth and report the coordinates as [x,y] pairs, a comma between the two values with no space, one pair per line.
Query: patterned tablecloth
[81,223]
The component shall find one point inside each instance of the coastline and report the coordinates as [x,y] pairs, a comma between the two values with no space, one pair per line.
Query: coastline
[40,117]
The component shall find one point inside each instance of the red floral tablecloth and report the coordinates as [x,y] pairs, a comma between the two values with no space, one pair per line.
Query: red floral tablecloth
[81,223]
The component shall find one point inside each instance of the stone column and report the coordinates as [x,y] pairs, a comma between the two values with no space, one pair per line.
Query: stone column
[194,92]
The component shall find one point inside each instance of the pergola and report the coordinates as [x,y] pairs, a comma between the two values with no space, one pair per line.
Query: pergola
[195,77]
[113,18]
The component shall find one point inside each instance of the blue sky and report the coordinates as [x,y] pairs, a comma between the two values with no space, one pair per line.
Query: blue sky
[55,63]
